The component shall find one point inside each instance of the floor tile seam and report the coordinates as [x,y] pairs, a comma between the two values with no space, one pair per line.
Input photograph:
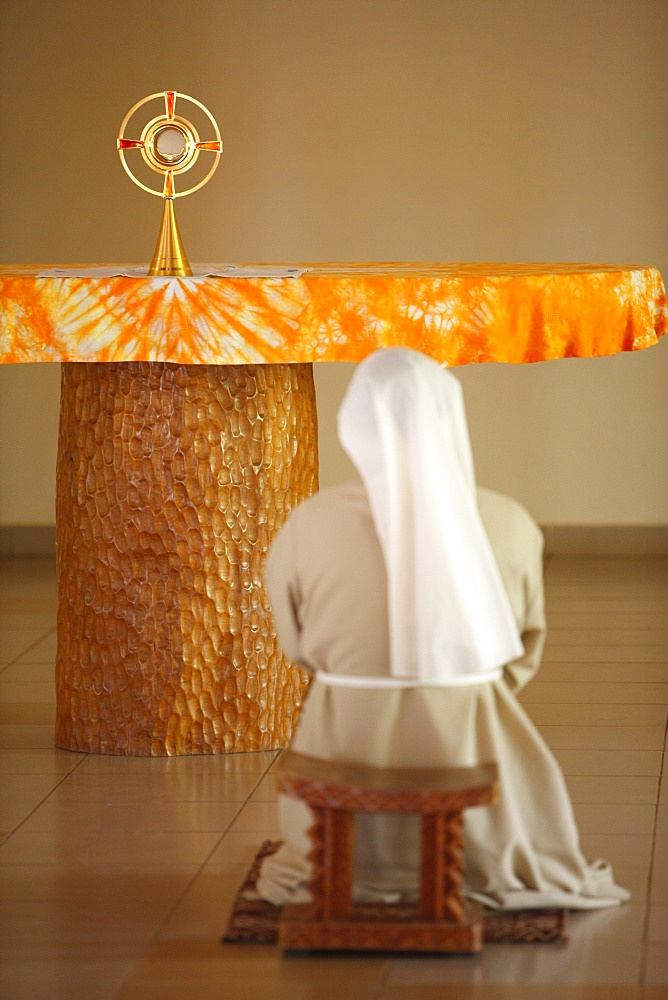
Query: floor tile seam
[42,802]
[86,866]
[593,775]
[7,615]
[562,653]
[599,775]
[643,956]
[43,628]
[578,619]
[574,700]
[99,808]
[642,839]
[155,937]
[257,784]
[651,868]
[179,805]
[601,704]
[560,621]
[544,703]
[11,663]
[644,611]
[559,656]
[589,635]
[272,763]
[548,662]
[597,803]
[553,673]
[265,774]
[656,754]
[17,659]
[99,866]
[547,665]
[653,726]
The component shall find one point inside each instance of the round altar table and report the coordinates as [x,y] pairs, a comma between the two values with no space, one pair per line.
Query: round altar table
[188,430]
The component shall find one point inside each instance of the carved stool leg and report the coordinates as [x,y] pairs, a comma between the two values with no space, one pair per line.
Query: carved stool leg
[441,867]
[172,481]
[332,838]
[339,847]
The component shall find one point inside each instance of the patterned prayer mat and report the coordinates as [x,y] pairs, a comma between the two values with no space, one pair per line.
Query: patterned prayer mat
[255,921]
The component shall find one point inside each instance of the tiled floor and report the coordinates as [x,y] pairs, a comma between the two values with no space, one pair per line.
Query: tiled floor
[117,875]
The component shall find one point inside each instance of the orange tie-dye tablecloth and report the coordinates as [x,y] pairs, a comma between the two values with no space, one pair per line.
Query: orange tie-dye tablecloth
[457,313]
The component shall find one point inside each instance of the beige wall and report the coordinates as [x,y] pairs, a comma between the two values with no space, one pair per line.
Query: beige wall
[365,129]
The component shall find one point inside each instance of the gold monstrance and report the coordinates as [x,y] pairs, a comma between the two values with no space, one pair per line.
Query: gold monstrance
[169,145]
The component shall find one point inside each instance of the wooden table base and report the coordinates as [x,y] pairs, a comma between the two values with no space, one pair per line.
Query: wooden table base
[172,481]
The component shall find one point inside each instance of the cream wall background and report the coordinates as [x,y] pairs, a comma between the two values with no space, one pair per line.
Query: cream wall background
[365,130]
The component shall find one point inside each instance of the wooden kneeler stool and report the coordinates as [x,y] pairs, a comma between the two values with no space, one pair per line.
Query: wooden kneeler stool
[441,921]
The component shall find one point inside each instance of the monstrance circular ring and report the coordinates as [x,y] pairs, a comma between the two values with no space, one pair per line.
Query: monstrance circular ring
[169,144]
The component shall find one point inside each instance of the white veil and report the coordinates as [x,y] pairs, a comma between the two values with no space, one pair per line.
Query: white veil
[402,423]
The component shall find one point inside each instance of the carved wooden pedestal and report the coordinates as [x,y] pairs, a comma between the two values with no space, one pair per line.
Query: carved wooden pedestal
[441,921]
[171,483]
